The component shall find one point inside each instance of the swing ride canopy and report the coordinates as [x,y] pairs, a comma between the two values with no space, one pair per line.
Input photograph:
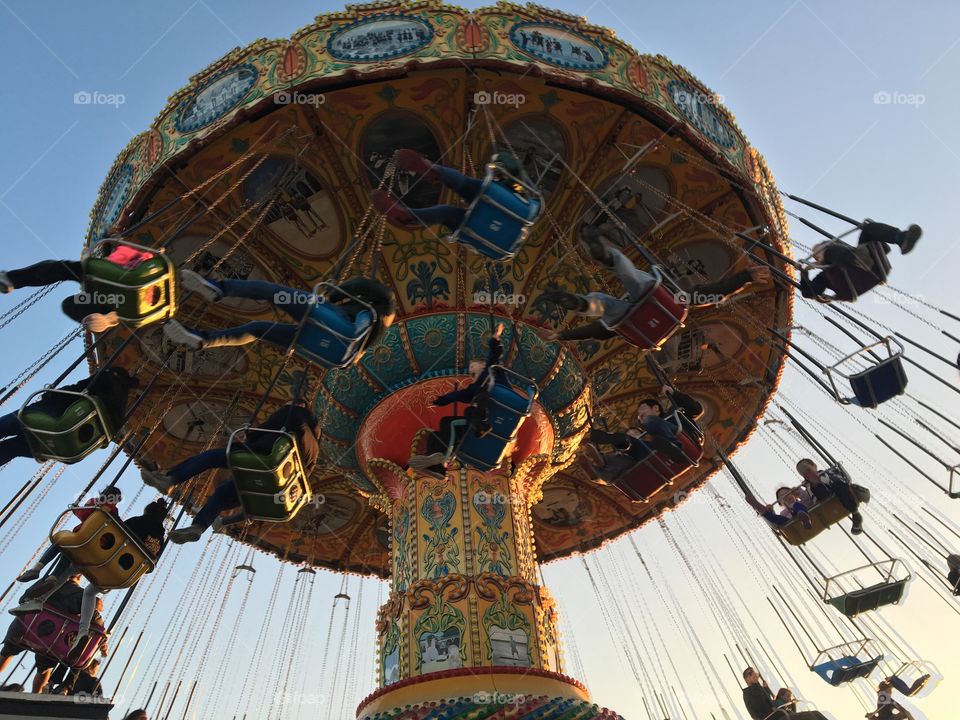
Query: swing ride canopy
[273,151]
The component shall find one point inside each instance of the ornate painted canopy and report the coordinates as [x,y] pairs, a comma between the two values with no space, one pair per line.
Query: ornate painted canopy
[324,110]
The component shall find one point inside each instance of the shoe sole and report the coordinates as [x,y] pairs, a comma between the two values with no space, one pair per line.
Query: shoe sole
[195,283]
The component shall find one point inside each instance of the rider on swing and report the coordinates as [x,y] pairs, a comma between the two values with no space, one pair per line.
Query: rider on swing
[637,284]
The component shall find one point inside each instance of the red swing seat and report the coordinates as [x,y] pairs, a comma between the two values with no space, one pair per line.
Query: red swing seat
[657,471]
[654,318]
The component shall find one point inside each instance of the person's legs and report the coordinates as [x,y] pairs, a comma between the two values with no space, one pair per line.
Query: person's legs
[614,467]
[846,496]
[465,186]
[224,497]
[446,215]
[636,282]
[47,272]
[87,607]
[9,425]
[42,677]
[281,335]
[215,459]
[294,303]
[13,448]
[605,307]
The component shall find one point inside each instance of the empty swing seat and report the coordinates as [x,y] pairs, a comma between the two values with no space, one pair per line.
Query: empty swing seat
[857,591]
[658,471]
[654,318]
[329,338]
[139,283]
[68,436]
[846,669]
[51,633]
[498,219]
[272,487]
[822,516]
[102,548]
[883,380]
[507,409]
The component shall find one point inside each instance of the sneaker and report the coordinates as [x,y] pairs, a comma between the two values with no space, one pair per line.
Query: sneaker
[416,163]
[30,574]
[5,285]
[566,300]
[191,533]
[99,322]
[909,237]
[157,480]
[857,528]
[396,212]
[28,607]
[419,462]
[195,282]
[178,334]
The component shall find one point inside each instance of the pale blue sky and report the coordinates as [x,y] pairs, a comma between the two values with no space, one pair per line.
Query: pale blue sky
[801,78]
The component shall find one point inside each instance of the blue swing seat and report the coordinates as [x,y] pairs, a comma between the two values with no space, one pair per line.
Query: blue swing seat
[498,219]
[847,662]
[507,410]
[882,381]
[329,338]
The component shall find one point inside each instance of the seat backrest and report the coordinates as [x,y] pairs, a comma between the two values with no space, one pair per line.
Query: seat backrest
[822,516]
[880,383]
[653,319]
[105,551]
[329,339]
[52,633]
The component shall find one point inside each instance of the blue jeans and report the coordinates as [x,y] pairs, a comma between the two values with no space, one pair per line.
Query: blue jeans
[295,303]
[223,498]
[636,282]
[191,467]
[452,217]
[14,444]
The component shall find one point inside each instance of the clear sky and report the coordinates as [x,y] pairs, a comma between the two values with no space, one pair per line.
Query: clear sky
[802,78]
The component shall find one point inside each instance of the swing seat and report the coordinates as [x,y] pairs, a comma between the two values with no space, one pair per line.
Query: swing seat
[272,487]
[846,669]
[51,633]
[857,280]
[507,409]
[328,338]
[498,219]
[139,283]
[822,516]
[66,437]
[850,593]
[658,471]
[102,548]
[882,381]
[654,318]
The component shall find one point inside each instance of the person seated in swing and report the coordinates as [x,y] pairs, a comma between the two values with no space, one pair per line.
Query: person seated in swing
[628,447]
[110,386]
[637,284]
[294,418]
[67,597]
[848,272]
[82,682]
[761,703]
[785,700]
[147,528]
[484,376]
[95,317]
[822,484]
[887,707]
[107,501]
[795,503]
[294,303]
[468,188]
[655,417]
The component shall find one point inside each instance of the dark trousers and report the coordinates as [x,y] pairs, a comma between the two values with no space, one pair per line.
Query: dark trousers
[48,272]
[880,233]
[14,444]
[224,496]
[448,215]
[439,440]
[842,490]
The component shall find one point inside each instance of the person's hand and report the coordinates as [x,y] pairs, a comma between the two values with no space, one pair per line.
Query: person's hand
[438,401]
[759,274]
[666,390]
[549,334]
[498,333]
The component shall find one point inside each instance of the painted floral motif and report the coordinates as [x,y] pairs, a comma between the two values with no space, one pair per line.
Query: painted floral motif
[401,572]
[426,284]
[441,553]
[493,550]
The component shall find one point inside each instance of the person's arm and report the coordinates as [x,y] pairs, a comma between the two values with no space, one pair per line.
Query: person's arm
[495,354]
[690,407]
[619,441]
[465,395]
[813,288]
[715,292]
[595,330]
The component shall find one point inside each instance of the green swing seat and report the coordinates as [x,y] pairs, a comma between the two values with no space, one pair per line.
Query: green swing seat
[141,295]
[854,592]
[272,487]
[66,437]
